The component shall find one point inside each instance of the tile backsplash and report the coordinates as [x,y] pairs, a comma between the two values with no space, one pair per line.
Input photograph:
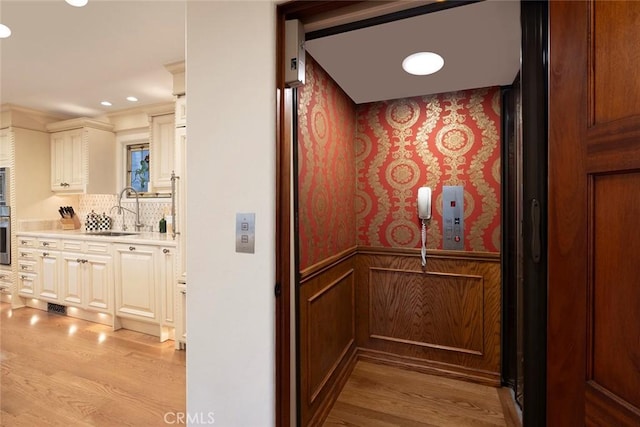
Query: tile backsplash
[150,211]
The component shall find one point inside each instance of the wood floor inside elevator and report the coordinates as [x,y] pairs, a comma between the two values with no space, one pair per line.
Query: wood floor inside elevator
[384,396]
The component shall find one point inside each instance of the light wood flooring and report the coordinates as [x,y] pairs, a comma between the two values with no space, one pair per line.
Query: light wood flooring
[383,396]
[61,371]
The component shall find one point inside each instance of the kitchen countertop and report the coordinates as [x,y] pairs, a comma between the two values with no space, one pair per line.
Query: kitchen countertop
[144,237]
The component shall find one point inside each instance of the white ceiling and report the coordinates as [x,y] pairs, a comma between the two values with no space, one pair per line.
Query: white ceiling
[480,44]
[65,60]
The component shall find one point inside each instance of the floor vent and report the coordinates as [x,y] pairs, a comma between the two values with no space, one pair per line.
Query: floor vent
[56,308]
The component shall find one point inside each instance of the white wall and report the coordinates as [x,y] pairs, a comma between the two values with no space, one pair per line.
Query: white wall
[231,168]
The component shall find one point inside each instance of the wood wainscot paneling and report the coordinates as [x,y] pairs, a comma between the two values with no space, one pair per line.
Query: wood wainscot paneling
[327,334]
[444,319]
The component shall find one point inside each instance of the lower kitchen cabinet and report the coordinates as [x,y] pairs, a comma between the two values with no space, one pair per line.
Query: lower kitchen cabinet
[87,281]
[166,272]
[27,284]
[136,293]
[48,279]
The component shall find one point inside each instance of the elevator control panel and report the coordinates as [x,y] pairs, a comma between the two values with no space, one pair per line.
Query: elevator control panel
[453,217]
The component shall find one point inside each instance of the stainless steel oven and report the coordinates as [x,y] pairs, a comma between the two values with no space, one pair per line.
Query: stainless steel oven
[4,186]
[5,235]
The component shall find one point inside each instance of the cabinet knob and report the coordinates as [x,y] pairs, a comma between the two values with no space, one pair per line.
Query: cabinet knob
[23,254]
[183,292]
[3,277]
[84,261]
[45,243]
[165,251]
[23,277]
[79,260]
[132,248]
[24,267]
[23,242]
[45,254]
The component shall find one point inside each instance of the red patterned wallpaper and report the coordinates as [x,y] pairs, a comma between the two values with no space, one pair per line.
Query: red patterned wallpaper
[360,167]
[435,140]
[326,168]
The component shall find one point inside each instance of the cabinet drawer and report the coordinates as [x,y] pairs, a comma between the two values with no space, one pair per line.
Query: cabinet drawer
[26,254]
[72,245]
[98,247]
[26,242]
[48,243]
[26,267]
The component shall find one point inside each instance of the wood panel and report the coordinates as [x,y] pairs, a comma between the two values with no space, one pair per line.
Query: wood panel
[446,320]
[593,351]
[437,310]
[613,358]
[613,66]
[327,337]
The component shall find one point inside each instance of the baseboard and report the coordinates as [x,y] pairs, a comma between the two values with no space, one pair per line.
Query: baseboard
[326,405]
[430,367]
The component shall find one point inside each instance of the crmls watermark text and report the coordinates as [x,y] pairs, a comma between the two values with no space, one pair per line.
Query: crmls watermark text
[184,418]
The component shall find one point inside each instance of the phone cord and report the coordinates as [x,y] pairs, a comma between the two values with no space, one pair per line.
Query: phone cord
[424,243]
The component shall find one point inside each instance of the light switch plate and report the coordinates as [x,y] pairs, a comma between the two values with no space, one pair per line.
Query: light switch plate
[245,233]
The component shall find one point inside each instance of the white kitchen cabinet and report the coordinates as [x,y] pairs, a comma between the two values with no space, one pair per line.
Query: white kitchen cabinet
[87,281]
[27,284]
[181,111]
[5,148]
[166,272]
[82,157]
[181,316]
[136,277]
[161,151]
[48,279]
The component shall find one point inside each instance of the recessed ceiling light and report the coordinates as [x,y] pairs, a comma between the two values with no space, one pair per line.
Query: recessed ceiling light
[132,98]
[77,3]
[4,31]
[423,63]
[106,103]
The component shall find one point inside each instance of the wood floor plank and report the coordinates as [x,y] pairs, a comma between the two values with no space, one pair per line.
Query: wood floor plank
[60,371]
[381,395]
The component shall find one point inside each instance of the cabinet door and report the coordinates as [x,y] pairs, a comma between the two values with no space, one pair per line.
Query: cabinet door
[67,162]
[27,284]
[135,281]
[167,271]
[161,151]
[48,284]
[99,283]
[5,148]
[72,273]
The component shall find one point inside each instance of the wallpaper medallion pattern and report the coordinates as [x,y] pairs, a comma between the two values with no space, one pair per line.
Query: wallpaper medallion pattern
[326,168]
[436,140]
[360,167]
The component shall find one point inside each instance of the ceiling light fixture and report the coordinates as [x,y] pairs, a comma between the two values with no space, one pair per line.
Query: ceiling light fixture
[106,103]
[77,3]
[4,31]
[422,63]
[132,98]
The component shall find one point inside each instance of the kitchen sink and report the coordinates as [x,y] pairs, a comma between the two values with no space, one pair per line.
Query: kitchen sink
[110,233]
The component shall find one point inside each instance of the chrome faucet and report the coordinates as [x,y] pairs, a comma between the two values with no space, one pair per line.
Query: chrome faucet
[138,225]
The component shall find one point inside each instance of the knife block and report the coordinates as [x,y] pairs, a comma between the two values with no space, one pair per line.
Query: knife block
[72,223]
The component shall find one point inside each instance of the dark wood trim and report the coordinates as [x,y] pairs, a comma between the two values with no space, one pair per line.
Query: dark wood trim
[390,17]
[509,248]
[324,265]
[323,410]
[430,367]
[431,253]
[534,72]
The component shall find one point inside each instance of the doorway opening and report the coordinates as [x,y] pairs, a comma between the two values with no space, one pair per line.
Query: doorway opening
[346,287]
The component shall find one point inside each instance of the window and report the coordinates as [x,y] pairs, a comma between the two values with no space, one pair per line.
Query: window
[138,167]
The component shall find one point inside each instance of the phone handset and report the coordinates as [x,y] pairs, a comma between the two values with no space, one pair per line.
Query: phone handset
[424,213]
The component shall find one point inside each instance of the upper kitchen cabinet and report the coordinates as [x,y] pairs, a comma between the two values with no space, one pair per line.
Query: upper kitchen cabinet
[5,148]
[82,156]
[161,151]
